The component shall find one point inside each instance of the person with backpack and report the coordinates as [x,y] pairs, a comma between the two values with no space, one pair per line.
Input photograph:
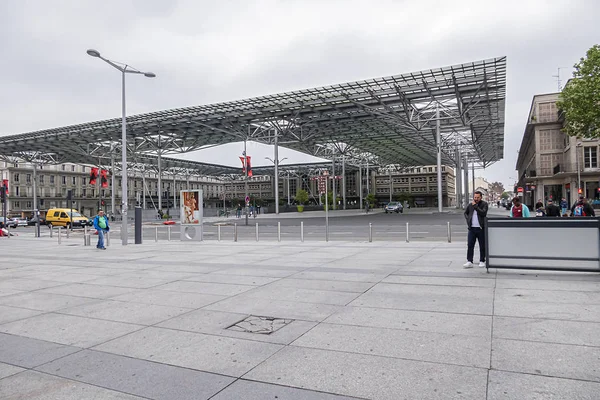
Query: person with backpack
[101,225]
[518,209]
[563,207]
[582,209]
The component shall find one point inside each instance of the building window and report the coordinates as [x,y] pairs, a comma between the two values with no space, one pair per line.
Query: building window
[63,167]
[17,165]
[590,156]
[16,177]
[17,204]
[64,180]
[72,168]
[83,181]
[28,205]
[42,179]
[28,178]
[51,179]
[73,179]
[17,190]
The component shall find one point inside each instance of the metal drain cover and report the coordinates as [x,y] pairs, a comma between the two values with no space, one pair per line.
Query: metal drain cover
[261,325]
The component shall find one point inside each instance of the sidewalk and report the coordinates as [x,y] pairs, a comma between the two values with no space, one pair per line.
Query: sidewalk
[348,320]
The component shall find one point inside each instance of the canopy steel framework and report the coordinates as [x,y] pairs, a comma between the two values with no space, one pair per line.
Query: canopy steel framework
[390,120]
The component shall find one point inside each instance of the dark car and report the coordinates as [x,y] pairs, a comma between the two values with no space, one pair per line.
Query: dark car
[33,221]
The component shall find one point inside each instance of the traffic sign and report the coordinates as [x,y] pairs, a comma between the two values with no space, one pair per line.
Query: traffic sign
[247,199]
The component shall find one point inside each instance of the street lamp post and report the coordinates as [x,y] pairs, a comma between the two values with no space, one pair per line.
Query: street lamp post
[124,69]
[578,169]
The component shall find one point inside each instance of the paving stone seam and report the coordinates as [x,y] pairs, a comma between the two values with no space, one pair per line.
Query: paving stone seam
[487,382]
[422,310]
[545,376]
[545,342]
[548,319]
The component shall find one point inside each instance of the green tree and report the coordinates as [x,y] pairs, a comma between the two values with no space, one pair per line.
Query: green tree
[403,197]
[580,99]
[302,197]
[505,195]
[371,199]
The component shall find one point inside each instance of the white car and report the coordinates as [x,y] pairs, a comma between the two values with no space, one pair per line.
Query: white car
[393,206]
[20,221]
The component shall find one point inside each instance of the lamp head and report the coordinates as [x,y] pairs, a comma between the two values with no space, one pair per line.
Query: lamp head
[149,74]
[93,53]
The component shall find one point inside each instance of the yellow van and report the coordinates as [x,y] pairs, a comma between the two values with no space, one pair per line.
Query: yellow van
[66,217]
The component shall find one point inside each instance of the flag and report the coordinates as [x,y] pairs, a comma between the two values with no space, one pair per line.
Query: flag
[103,178]
[243,165]
[93,175]
[247,162]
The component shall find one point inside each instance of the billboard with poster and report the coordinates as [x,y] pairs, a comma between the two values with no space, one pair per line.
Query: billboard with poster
[191,207]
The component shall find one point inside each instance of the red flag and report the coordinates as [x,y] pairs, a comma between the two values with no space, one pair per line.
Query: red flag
[93,175]
[243,165]
[103,178]
[5,184]
[249,165]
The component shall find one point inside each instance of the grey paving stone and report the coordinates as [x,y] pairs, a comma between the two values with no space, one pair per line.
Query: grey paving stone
[130,282]
[233,279]
[249,390]
[9,314]
[193,267]
[442,281]
[66,277]
[337,286]
[8,370]
[9,292]
[460,324]
[422,346]
[29,353]
[558,360]
[271,308]
[473,300]
[215,322]
[27,284]
[548,310]
[138,377]
[547,284]
[44,301]
[218,354]
[552,296]
[371,377]
[302,295]
[511,386]
[264,272]
[68,329]
[205,287]
[84,290]
[340,276]
[121,311]
[32,385]
[547,330]
[166,298]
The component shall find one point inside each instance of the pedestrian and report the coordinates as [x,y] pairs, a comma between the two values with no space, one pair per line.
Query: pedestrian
[552,210]
[518,209]
[563,207]
[475,214]
[239,211]
[101,225]
[582,208]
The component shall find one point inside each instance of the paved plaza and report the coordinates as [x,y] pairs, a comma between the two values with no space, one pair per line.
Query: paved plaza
[340,320]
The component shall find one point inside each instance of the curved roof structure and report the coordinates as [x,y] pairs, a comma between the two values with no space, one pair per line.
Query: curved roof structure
[390,120]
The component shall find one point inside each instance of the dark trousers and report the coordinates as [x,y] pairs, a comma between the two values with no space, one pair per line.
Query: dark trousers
[479,235]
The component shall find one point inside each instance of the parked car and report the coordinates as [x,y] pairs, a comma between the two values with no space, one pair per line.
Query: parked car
[4,222]
[20,221]
[33,221]
[65,217]
[394,206]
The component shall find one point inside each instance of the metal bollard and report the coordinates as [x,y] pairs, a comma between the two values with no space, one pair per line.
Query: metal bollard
[407,234]
[107,239]
[370,232]
[257,231]
[279,231]
[51,231]
[169,232]
[219,233]
[59,237]
[302,231]
[235,232]
[85,230]
[449,233]
[68,232]
[8,230]
[156,235]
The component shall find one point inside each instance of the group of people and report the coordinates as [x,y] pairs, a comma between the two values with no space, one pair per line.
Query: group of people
[477,210]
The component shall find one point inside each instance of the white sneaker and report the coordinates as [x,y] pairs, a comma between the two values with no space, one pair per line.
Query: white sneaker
[468,264]
[481,264]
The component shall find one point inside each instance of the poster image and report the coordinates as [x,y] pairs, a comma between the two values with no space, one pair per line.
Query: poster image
[190,207]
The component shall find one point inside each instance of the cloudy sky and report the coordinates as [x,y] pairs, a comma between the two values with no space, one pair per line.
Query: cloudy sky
[213,51]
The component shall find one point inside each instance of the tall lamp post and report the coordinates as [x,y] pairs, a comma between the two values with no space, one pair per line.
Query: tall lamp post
[276,163]
[125,69]
[579,144]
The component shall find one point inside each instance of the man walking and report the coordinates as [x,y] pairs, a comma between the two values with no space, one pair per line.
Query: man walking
[552,210]
[582,208]
[563,207]
[101,225]
[475,214]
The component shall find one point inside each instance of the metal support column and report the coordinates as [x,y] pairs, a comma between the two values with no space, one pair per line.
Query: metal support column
[466,181]
[391,185]
[276,162]
[113,193]
[144,188]
[174,193]
[159,191]
[438,138]
[360,188]
[344,180]
[245,180]
[458,175]
[333,196]
[473,177]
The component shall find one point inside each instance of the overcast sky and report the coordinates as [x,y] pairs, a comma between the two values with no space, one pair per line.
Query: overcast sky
[212,51]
